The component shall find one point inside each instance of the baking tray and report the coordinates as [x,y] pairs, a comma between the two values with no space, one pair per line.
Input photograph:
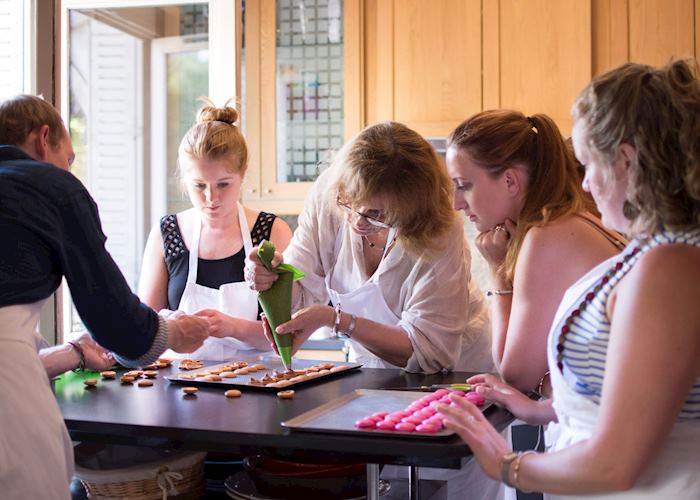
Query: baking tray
[339,415]
[241,381]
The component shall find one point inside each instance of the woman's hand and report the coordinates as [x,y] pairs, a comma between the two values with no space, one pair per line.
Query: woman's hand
[493,244]
[302,325]
[256,274]
[486,443]
[297,340]
[220,324]
[524,408]
[96,357]
[186,333]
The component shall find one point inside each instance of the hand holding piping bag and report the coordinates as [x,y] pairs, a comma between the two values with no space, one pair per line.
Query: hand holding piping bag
[276,302]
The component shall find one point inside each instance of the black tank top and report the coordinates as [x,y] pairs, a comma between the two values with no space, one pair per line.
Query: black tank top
[210,273]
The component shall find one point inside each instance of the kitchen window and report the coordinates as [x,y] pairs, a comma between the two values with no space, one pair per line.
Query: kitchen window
[131,75]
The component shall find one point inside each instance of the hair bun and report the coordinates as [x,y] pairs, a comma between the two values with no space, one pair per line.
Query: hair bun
[211,113]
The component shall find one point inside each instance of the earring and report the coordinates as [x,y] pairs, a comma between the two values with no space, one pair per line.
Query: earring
[629,210]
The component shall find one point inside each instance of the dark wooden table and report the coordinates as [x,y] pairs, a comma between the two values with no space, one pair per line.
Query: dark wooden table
[161,416]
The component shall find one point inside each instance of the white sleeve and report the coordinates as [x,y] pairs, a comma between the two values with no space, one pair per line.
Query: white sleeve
[436,308]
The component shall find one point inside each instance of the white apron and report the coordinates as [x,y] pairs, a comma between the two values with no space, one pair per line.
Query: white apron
[233,299]
[36,456]
[366,300]
[674,474]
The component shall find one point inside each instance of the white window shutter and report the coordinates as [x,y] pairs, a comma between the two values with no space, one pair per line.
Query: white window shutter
[11,48]
[114,138]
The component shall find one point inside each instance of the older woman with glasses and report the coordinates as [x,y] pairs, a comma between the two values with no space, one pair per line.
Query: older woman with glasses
[379,240]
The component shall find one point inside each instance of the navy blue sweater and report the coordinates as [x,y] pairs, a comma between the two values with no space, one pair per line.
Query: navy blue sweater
[49,228]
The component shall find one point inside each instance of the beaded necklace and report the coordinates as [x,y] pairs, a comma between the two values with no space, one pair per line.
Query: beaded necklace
[588,298]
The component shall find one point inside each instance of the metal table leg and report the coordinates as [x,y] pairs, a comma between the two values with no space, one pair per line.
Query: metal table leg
[372,482]
[413,483]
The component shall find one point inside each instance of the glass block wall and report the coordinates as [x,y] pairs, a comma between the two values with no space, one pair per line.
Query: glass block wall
[309,86]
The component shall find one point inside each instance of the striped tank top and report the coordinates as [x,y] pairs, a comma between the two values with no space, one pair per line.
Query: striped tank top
[586,344]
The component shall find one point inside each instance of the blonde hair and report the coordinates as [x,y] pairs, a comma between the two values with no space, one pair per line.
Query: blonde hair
[499,139]
[22,114]
[390,160]
[215,136]
[657,111]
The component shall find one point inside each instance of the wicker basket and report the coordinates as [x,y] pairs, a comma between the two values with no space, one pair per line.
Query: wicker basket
[178,475]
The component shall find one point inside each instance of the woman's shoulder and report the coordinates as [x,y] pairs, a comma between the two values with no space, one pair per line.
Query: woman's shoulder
[260,224]
[171,235]
[253,215]
[268,226]
[665,273]
[679,259]
[567,241]
[452,245]
[177,221]
[573,230]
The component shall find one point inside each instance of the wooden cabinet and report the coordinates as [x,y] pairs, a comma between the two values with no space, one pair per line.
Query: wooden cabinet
[432,64]
[539,55]
[644,31]
[423,62]
[283,88]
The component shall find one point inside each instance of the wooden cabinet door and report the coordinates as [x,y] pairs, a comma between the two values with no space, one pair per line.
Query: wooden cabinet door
[423,65]
[644,31]
[660,29]
[537,56]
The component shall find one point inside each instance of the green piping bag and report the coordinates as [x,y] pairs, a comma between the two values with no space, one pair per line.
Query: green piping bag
[276,301]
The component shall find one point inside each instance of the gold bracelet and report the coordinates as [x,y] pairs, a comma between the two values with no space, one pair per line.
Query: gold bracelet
[506,461]
[516,469]
[491,293]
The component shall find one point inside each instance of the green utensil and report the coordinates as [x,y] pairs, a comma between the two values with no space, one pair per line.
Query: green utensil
[431,388]
[276,301]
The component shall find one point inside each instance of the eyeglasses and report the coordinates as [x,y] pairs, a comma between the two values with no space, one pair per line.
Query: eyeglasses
[374,220]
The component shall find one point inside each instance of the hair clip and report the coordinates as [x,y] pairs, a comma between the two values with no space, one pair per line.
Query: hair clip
[533,127]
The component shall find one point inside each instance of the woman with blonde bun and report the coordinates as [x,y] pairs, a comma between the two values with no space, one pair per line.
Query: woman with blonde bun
[194,259]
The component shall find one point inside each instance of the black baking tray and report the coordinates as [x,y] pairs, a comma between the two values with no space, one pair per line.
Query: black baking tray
[340,414]
[241,381]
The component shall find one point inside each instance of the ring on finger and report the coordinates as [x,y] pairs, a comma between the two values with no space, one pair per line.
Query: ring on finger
[499,227]
[471,419]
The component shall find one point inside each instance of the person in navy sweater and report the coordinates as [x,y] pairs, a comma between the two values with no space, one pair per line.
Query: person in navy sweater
[51,229]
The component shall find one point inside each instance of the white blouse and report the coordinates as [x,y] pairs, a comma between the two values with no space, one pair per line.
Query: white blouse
[441,308]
